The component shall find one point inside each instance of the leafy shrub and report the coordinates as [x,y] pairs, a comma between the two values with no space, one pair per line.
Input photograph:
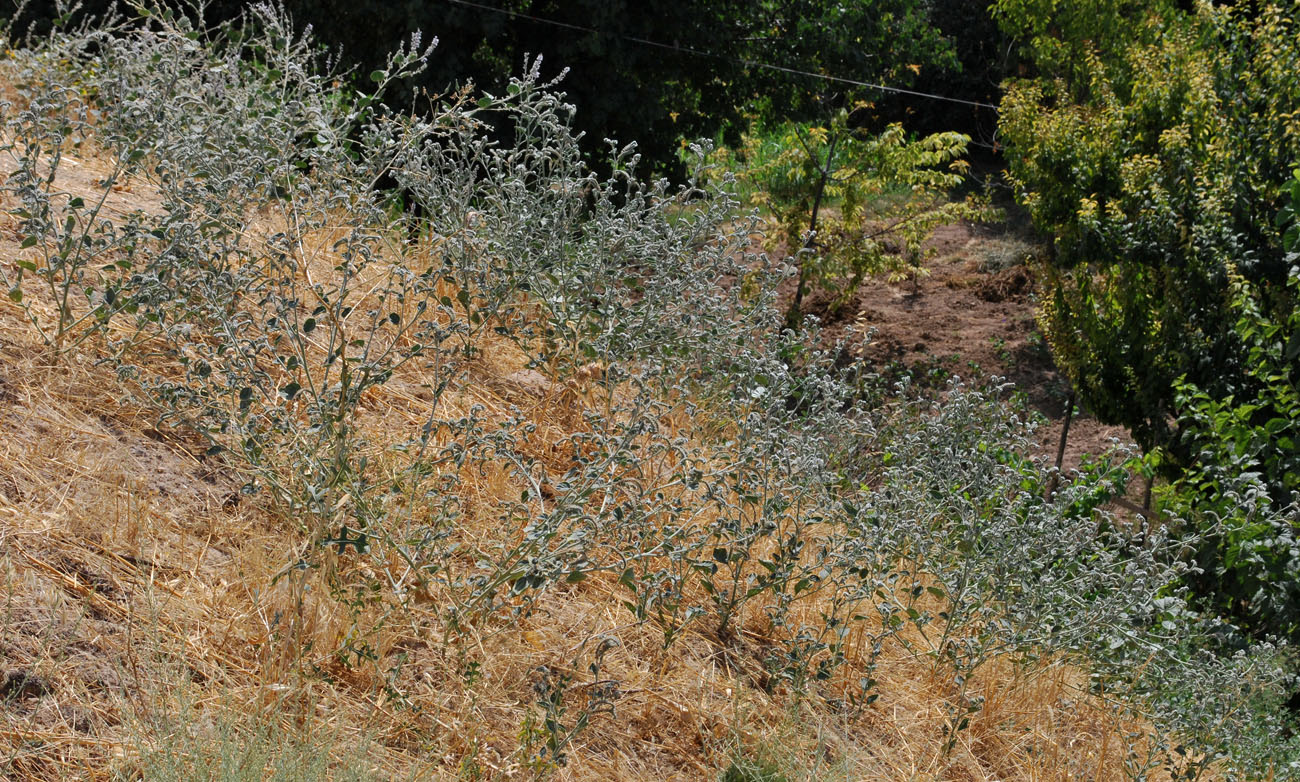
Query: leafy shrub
[849,204]
[1243,490]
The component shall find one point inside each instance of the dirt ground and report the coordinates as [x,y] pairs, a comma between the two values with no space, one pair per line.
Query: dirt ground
[967,320]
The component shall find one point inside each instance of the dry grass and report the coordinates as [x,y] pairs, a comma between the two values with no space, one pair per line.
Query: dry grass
[149,619]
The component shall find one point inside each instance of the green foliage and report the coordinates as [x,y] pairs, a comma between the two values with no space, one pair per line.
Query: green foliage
[837,40]
[1158,148]
[849,204]
[982,57]
[1066,41]
[1243,488]
[747,770]
[1154,147]
[810,152]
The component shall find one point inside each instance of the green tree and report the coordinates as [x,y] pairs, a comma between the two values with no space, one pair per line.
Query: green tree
[1158,147]
[883,41]
[1154,145]
[810,148]
[888,192]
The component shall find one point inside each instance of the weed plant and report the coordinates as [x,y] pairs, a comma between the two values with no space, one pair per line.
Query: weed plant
[719,472]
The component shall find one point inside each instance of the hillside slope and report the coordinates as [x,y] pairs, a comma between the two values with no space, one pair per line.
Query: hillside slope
[145,626]
[297,482]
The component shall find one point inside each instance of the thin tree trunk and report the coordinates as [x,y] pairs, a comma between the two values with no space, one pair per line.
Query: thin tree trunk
[794,315]
[1060,448]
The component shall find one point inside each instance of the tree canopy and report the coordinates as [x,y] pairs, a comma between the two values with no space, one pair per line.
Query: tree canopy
[1153,146]
[653,72]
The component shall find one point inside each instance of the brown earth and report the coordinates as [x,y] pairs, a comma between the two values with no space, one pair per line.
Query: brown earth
[960,320]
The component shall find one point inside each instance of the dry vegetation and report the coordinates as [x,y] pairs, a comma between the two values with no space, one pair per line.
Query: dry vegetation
[150,624]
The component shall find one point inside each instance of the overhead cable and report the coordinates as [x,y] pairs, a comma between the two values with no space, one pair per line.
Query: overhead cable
[747,63]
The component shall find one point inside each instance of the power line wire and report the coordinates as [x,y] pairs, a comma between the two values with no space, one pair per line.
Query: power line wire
[748,63]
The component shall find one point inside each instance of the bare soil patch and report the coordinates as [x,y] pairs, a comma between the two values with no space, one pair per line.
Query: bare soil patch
[961,319]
